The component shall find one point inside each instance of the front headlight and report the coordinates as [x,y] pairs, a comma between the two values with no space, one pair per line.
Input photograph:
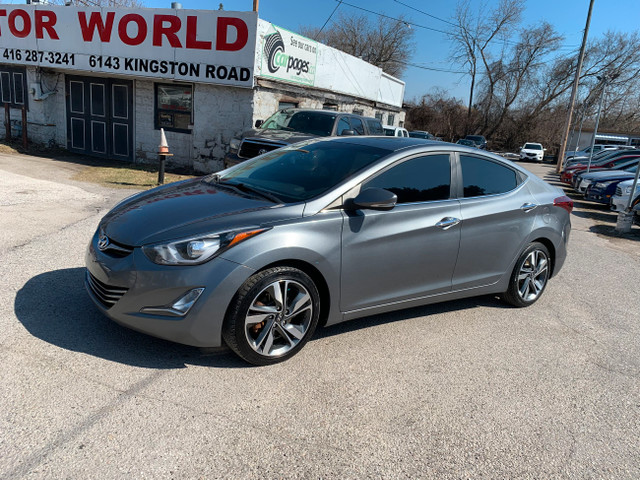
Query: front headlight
[602,184]
[627,190]
[197,250]
[234,144]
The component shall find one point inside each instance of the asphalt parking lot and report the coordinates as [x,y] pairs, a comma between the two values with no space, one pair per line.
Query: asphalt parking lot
[465,389]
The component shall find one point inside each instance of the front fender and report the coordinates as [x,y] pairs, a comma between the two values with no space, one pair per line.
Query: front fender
[315,241]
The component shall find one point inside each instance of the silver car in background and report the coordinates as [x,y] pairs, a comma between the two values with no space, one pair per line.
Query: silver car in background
[321,232]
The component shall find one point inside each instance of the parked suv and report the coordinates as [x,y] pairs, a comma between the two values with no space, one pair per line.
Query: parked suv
[532,151]
[295,125]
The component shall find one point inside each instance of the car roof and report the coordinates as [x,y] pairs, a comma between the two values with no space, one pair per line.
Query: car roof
[397,144]
[321,112]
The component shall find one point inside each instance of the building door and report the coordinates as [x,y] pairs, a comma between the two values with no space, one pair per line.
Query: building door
[100,117]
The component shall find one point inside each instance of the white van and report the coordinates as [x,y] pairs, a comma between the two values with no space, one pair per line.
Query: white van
[390,131]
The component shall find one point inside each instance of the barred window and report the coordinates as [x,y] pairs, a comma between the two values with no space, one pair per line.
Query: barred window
[174,107]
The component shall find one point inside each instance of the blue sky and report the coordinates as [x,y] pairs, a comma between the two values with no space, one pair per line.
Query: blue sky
[433,48]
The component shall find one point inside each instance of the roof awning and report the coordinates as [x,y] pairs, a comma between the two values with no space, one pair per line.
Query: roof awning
[617,138]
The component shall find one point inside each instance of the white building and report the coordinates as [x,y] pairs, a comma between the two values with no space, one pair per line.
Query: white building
[103,81]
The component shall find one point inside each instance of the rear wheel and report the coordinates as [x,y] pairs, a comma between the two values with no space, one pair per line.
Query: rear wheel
[530,276]
[272,316]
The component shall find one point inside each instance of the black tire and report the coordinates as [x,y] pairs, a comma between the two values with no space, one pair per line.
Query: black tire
[528,281]
[277,333]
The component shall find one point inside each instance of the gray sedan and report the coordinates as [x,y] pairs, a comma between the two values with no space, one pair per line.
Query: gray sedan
[321,232]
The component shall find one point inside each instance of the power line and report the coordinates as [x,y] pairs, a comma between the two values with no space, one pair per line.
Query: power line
[325,23]
[425,13]
[433,69]
[406,22]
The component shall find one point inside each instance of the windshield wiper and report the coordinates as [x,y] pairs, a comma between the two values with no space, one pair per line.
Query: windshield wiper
[243,187]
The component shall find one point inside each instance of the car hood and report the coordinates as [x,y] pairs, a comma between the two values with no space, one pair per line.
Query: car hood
[527,150]
[285,136]
[188,208]
[628,183]
[608,174]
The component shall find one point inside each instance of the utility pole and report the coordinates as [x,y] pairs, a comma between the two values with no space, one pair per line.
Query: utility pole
[574,90]
[605,79]
[256,2]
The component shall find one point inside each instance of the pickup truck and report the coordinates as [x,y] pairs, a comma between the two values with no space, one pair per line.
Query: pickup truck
[296,125]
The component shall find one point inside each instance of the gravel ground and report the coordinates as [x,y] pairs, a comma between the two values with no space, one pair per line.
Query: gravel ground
[465,389]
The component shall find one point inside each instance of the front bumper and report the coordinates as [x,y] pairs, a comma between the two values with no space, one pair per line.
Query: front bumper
[582,185]
[531,156]
[598,195]
[134,282]
[619,203]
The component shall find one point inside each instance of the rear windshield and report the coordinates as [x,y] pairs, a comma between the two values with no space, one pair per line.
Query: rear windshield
[313,123]
[532,146]
[303,170]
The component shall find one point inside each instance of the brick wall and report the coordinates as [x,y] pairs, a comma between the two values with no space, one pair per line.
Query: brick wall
[219,114]
[45,115]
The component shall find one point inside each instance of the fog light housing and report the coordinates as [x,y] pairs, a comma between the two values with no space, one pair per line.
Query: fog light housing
[179,307]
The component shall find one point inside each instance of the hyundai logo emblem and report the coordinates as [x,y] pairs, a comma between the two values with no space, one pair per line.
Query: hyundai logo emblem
[103,242]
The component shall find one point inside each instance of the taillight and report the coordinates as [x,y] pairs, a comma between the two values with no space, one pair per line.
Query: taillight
[563,202]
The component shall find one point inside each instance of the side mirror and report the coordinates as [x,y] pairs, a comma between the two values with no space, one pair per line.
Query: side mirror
[347,132]
[259,123]
[520,148]
[375,199]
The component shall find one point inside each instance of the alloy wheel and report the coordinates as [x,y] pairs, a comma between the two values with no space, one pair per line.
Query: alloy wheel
[533,275]
[278,318]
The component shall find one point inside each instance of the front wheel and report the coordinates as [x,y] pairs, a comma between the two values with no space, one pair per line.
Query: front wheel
[272,315]
[530,276]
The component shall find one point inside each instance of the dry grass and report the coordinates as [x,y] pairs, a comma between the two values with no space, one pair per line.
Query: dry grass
[4,148]
[109,173]
[126,176]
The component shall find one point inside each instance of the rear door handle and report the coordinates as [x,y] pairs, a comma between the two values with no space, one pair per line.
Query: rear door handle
[527,207]
[447,222]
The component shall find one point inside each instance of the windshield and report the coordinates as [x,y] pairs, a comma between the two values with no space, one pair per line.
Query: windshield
[302,171]
[609,156]
[597,156]
[475,138]
[532,146]
[313,123]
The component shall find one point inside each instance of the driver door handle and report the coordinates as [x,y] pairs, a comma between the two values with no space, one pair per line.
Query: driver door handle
[447,222]
[527,207]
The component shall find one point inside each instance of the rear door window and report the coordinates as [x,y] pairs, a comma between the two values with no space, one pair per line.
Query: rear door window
[482,177]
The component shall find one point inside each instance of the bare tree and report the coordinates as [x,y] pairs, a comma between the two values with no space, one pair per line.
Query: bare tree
[438,114]
[477,36]
[387,43]
[523,71]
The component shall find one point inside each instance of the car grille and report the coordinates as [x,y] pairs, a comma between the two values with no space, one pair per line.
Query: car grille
[618,191]
[116,249]
[107,295]
[253,148]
